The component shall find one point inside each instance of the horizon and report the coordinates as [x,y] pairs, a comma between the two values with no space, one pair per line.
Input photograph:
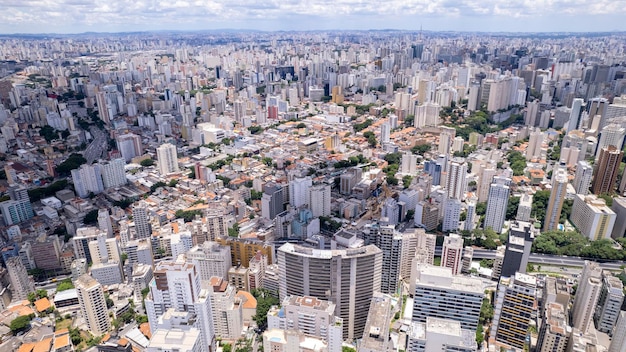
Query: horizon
[489,16]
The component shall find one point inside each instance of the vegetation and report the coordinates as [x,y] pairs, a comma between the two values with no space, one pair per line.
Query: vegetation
[371,139]
[511,209]
[573,243]
[91,217]
[21,323]
[36,194]
[328,224]
[65,285]
[74,161]
[147,162]
[421,149]
[265,300]
[352,161]
[187,215]
[358,127]
[517,162]
[255,129]
[540,203]
[234,231]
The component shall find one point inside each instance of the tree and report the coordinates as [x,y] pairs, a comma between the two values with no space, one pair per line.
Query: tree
[146,162]
[234,231]
[540,203]
[392,180]
[74,161]
[406,180]
[421,149]
[511,209]
[265,301]
[65,285]
[91,217]
[21,323]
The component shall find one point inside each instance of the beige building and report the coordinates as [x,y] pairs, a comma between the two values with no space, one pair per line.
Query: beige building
[226,308]
[592,217]
[93,305]
[587,294]
[554,333]
[21,283]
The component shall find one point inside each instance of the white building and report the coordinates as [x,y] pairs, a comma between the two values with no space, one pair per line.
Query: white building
[592,217]
[319,200]
[87,179]
[210,259]
[93,305]
[497,204]
[582,178]
[299,191]
[451,215]
[167,159]
[113,174]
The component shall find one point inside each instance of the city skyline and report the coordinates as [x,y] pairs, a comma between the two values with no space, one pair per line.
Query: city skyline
[79,16]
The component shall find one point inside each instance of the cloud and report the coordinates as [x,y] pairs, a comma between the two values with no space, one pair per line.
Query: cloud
[122,15]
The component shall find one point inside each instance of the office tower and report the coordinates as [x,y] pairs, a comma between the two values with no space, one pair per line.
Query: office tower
[440,335]
[21,283]
[484,184]
[167,159]
[18,208]
[104,222]
[515,302]
[554,332]
[348,278]
[93,305]
[456,181]
[439,294]
[557,196]
[497,203]
[226,307]
[521,236]
[311,316]
[129,146]
[619,208]
[385,133]
[452,253]
[592,217]
[525,207]
[444,143]
[535,142]
[143,229]
[606,169]
[470,214]
[272,201]
[176,339]
[451,215]
[319,200]
[612,134]
[618,343]
[211,259]
[299,191]
[113,174]
[408,165]
[582,178]
[609,303]
[574,117]
[377,328]
[88,179]
[587,294]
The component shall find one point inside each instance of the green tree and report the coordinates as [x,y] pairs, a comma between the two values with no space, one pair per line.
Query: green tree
[21,323]
[406,180]
[511,209]
[146,162]
[91,217]
[234,231]
[65,285]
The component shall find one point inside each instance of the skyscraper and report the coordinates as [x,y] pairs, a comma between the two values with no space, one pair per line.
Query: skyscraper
[456,181]
[574,117]
[451,215]
[497,204]
[167,159]
[535,143]
[21,283]
[521,236]
[390,243]
[515,302]
[88,179]
[582,178]
[104,222]
[93,305]
[587,294]
[113,174]
[557,196]
[129,145]
[319,199]
[408,165]
[592,217]
[606,169]
[299,191]
[348,278]
[452,253]
[554,333]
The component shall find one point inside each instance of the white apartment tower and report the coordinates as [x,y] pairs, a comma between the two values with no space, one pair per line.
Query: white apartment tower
[582,178]
[497,203]
[167,159]
[451,215]
[557,196]
[21,283]
[93,305]
[113,174]
[456,181]
[143,229]
[587,294]
[348,278]
[299,191]
[319,200]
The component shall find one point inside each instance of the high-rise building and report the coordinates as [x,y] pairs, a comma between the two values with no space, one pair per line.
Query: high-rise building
[515,302]
[456,181]
[592,217]
[21,283]
[554,332]
[88,179]
[574,117]
[376,333]
[408,165]
[385,133]
[470,214]
[486,179]
[439,294]
[606,169]
[211,259]
[319,200]
[618,343]
[497,204]
[299,191]
[557,196]
[129,145]
[612,134]
[390,243]
[227,308]
[609,303]
[619,208]
[104,222]
[535,143]
[452,253]
[93,305]
[348,278]
[272,202]
[438,334]
[582,178]
[143,229]
[586,299]
[451,215]
[521,236]
[113,174]
[18,208]
[444,143]
[167,159]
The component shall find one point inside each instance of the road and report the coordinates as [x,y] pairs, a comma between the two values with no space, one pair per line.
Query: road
[96,149]
[548,259]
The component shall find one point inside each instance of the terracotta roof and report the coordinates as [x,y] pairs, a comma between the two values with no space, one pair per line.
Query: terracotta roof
[62,341]
[42,304]
[249,302]
[43,345]
[27,347]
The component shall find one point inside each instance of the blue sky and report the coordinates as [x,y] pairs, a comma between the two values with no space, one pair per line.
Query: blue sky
[76,16]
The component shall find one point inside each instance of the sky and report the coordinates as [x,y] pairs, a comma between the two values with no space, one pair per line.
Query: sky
[78,16]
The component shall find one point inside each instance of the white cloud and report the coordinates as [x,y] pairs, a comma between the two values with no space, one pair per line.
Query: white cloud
[112,15]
